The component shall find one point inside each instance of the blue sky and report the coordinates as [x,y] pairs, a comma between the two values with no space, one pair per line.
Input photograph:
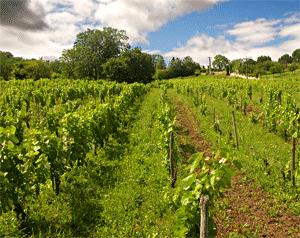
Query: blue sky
[173,28]
[213,20]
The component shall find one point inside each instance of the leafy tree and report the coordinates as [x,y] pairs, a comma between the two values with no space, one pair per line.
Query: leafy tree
[285,60]
[131,66]
[69,64]
[293,66]
[161,74]
[235,65]
[7,62]
[55,66]
[189,66]
[263,58]
[34,69]
[276,68]
[179,68]
[76,65]
[6,65]
[175,68]
[116,69]
[264,65]
[220,62]
[158,62]
[296,56]
[19,71]
[93,48]
[247,67]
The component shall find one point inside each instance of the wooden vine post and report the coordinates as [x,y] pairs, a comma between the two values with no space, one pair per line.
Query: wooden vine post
[172,160]
[293,162]
[214,116]
[235,131]
[204,216]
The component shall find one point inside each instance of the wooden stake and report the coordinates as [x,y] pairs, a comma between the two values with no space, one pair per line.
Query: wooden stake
[214,116]
[171,161]
[235,131]
[204,216]
[293,162]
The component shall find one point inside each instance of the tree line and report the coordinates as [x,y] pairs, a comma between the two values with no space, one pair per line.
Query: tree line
[262,66]
[99,54]
[106,54]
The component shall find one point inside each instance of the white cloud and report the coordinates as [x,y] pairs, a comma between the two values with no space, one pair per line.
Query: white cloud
[66,18]
[251,40]
[28,44]
[202,46]
[139,18]
[255,32]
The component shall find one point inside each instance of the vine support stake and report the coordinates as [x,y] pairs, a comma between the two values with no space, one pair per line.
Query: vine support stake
[293,162]
[235,131]
[172,160]
[204,216]
[214,116]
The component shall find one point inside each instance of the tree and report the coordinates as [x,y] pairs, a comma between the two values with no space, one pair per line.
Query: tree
[296,56]
[285,60]
[131,66]
[248,66]
[276,68]
[179,68]
[74,66]
[263,58]
[92,49]
[175,68]
[220,62]
[162,74]
[293,66]
[235,65]
[189,66]
[264,65]
[158,62]
[6,65]
[32,69]
[55,66]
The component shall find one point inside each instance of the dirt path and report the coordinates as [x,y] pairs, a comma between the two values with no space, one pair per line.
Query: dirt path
[189,125]
[247,211]
[250,211]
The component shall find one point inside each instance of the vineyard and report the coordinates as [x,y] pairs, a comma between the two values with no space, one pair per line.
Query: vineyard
[171,158]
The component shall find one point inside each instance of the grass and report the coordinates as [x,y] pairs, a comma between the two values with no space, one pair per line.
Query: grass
[123,191]
[138,205]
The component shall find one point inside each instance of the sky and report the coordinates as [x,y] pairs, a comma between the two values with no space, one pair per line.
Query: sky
[172,28]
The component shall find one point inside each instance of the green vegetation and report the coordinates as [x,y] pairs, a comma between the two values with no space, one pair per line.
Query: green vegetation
[92,158]
[114,154]
[266,123]
[178,68]
[263,65]
[106,54]
[52,135]
[131,66]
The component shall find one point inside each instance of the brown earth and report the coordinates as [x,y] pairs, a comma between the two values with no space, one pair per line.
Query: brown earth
[251,212]
[252,108]
[189,125]
[247,211]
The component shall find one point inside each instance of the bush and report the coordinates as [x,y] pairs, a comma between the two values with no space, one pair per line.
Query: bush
[161,74]
[131,66]
[292,67]
[276,68]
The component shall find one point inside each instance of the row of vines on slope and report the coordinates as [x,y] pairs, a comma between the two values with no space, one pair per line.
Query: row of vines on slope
[275,111]
[202,176]
[47,127]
